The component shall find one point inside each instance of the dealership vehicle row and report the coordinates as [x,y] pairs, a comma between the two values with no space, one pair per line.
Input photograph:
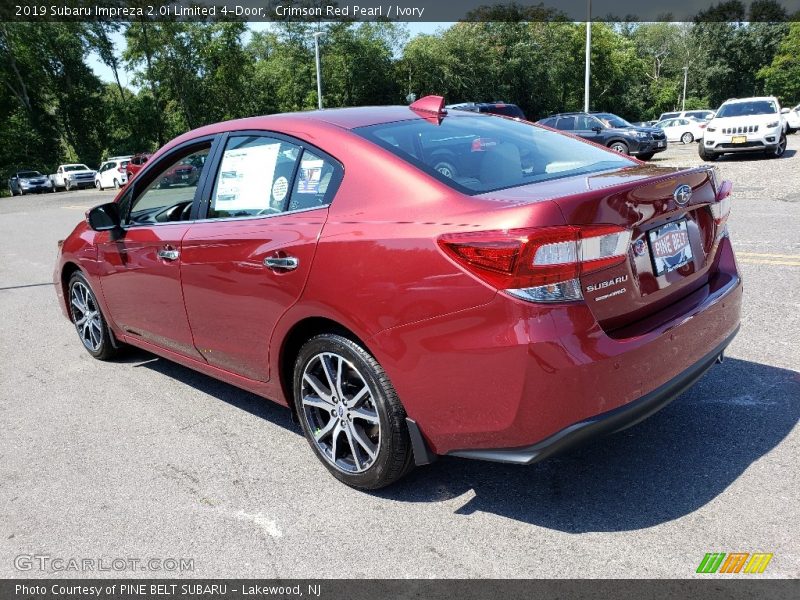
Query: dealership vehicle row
[642,139]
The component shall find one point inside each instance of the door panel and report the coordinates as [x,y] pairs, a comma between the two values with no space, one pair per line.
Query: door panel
[142,290]
[232,299]
[141,281]
[247,265]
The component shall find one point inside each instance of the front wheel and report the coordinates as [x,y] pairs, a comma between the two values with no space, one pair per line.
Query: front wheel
[779,150]
[620,147]
[705,155]
[116,184]
[98,185]
[687,138]
[350,413]
[88,319]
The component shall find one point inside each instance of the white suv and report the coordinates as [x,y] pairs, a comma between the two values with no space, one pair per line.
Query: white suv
[745,125]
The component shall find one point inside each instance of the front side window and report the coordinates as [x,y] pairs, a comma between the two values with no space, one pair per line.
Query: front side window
[485,154]
[170,194]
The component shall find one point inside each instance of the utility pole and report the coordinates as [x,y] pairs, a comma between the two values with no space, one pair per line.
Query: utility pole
[588,55]
[685,76]
[319,71]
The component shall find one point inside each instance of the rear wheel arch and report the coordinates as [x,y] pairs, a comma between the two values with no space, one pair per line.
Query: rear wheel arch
[293,341]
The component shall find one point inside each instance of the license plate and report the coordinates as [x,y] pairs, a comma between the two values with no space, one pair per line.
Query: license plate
[669,247]
[739,139]
[184,177]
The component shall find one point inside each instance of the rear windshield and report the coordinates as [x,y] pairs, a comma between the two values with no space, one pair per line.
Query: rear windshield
[744,109]
[476,154]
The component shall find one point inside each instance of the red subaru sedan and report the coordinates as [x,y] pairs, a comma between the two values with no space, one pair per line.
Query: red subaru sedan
[534,291]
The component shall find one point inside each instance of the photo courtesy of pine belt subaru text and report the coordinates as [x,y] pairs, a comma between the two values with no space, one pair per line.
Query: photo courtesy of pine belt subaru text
[414,282]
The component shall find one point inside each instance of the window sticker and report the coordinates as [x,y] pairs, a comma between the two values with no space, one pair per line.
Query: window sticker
[310,175]
[279,189]
[245,175]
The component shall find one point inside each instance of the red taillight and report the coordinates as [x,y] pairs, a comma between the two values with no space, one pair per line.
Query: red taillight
[524,259]
[721,209]
[703,125]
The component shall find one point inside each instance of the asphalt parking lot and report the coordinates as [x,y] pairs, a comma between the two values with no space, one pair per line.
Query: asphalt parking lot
[143,458]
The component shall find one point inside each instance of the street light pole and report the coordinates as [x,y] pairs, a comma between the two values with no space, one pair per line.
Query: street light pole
[319,71]
[685,76]
[588,55]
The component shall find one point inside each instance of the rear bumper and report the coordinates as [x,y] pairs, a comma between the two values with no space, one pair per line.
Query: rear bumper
[514,375]
[605,423]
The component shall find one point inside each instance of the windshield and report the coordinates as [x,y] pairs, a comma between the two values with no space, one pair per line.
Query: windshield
[28,174]
[613,120]
[744,109]
[76,168]
[476,154]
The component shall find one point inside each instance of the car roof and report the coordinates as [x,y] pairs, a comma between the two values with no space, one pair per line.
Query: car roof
[343,118]
[753,99]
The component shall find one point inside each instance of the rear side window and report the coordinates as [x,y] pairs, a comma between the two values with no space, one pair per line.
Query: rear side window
[476,154]
[260,176]
[566,124]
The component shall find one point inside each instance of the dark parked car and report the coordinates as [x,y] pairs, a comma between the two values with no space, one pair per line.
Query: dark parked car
[494,108]
[559,291]
[136,163]
[27,182]
[617,134]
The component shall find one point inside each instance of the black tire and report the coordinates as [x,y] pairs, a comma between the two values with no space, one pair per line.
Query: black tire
[21,191]
[707,156]
[446,168]
[104,350]
[393,455]
[646,156]
[67,186]
[98,185]
[779,150]
[687,138]
[618,146]
[116,184]
[11,189]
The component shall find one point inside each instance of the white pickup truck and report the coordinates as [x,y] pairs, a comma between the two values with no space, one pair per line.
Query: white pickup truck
[72,176]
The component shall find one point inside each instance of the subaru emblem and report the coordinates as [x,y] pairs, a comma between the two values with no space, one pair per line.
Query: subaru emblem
[682,194]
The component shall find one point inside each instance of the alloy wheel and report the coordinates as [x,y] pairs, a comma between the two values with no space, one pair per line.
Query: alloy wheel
[340,411]
[86,316]
[619,147]
[687,138]
[781,148]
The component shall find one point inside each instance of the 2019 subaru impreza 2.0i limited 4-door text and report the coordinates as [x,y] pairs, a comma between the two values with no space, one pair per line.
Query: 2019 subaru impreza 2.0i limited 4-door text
[549,291]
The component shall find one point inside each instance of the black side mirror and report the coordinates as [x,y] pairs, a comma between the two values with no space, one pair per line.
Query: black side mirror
[104,217]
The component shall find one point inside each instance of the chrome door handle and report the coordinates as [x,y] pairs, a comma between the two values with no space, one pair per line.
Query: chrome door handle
[168,254]
[287,263]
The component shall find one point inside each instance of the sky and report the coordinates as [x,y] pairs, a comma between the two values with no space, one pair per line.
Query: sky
[106,74]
